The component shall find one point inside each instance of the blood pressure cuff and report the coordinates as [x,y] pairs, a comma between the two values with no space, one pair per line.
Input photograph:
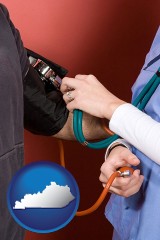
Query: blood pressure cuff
[45,111]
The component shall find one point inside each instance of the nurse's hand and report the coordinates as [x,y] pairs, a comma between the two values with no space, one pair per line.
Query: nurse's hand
[86,93]
[120,157]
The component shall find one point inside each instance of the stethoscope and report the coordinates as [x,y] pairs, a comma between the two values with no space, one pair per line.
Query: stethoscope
[140,102]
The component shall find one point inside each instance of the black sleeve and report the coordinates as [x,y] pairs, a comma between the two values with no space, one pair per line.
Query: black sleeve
[45,112]
[21,50]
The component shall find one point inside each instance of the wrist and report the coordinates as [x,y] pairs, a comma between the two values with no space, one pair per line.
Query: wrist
[115,146]
[112,107]
[120,141]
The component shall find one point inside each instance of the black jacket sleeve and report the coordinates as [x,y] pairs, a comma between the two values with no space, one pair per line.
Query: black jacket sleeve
[45,111]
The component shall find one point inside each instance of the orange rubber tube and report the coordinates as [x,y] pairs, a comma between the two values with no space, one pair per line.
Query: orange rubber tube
[105,128]
[105,190]
[61,150]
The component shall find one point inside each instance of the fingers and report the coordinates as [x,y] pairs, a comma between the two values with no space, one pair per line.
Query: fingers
[125,186]
[69,96]
[130,190]
[73,83]
[68,88]
[121,156]
[130,158]
[119,182]
[68,83]
[81,77]
[86,89]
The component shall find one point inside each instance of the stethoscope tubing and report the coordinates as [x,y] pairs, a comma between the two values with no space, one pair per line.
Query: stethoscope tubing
[140,102]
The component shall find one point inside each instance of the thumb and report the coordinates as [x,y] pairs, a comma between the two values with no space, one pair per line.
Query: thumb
[131,159]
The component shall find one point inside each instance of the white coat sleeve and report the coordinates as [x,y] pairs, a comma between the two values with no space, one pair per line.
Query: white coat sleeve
[138,129]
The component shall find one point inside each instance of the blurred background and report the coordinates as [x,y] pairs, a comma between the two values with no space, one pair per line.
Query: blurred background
[108,38]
